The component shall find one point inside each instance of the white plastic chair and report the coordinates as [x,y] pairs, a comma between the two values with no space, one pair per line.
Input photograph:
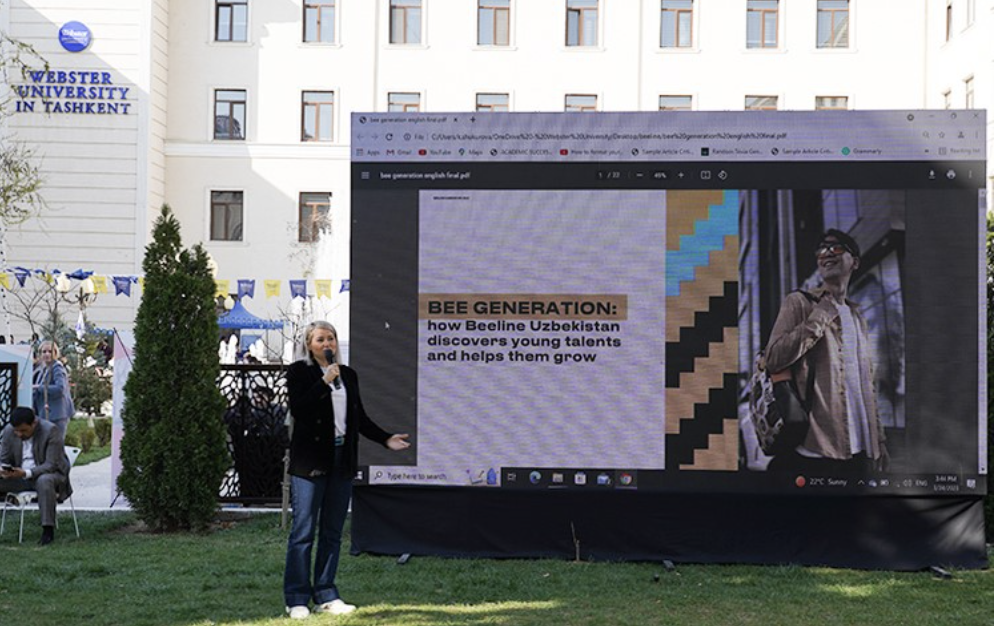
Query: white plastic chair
[23,499]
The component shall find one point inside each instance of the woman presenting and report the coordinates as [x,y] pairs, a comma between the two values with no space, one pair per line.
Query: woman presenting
[50,391]
[328,419]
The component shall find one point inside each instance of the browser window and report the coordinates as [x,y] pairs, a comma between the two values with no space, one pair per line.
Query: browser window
[563,301]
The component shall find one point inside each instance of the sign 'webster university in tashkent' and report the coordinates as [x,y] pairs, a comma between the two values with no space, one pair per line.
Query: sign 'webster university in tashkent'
[72,92]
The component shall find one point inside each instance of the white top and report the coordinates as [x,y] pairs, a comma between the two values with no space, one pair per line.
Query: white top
[339,402]
[27,456]
[853,353]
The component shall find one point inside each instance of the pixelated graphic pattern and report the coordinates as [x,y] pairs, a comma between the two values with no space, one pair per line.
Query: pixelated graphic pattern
[702,329]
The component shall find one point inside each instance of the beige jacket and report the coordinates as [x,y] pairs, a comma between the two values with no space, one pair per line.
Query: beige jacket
[808,335]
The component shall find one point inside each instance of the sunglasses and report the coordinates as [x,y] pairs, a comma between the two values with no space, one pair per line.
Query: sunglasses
[835,249]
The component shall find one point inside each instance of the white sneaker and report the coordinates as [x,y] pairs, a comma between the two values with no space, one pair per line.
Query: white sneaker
[298,612]
[335,607]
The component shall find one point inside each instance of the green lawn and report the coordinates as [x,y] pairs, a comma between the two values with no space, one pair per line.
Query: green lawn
[93,454]
[233,575]
[96,452]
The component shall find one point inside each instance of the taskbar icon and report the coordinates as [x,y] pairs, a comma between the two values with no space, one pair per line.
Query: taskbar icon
[569,478]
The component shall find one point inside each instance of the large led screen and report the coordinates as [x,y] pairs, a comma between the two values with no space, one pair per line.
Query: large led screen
[589,324]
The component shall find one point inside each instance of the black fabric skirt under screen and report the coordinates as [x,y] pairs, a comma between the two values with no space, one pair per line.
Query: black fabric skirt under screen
[878,532]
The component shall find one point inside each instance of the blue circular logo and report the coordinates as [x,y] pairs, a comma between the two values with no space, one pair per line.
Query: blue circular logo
[75,36]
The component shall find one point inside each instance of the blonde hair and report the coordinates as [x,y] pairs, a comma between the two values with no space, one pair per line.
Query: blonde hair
[56,354]
[303,350]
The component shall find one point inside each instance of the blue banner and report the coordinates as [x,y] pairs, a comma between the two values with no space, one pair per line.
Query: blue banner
[122,284]
[246,288]
[298,288]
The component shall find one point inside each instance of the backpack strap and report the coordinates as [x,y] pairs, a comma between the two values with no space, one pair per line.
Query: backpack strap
[812,298]
[787,374]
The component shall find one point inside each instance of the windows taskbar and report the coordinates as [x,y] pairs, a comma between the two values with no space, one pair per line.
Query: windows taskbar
[741,480]
[684,481]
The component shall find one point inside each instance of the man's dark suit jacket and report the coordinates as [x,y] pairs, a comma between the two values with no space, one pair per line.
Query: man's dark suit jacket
[49,452]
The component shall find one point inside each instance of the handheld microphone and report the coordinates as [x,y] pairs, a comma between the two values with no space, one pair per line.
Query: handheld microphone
[329,356]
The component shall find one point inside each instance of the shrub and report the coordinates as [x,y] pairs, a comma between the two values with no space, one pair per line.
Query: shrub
[173,452]
[92,389]
[103,429]
[86,439]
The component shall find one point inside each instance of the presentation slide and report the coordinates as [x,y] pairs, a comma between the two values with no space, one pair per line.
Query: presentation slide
[521,286]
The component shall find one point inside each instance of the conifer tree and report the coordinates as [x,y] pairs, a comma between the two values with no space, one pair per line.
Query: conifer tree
[173,451]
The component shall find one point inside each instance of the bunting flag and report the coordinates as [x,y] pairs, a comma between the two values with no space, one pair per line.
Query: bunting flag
[21,274]
[298,289]
[246,288]
[222,286]
[272,287]
[323,287]
[80,274]
[122,284]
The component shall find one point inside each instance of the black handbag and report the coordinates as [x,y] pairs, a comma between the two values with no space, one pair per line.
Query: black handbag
[779,415]
[793,417]
[781,418]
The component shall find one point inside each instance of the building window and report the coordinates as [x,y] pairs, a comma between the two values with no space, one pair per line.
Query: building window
[833,23]
[226,215]
[761,103]
[231,20]
[968,84]
[675,103]
[947,99]
[492,102]
[317,115]
[494,22]
[229,114]
[949,20]
[404,102]
[313,214]
[581,22]
[580,103]
[676,24]
[319,21]
[831,103]
[761,23]
[405,21]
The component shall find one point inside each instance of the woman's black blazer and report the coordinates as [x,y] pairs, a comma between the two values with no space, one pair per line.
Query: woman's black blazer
[312,446]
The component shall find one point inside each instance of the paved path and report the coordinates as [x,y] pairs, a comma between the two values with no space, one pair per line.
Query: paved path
[92,488]
[92,491]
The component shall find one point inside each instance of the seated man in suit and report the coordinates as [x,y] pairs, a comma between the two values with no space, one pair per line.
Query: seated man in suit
[33,458]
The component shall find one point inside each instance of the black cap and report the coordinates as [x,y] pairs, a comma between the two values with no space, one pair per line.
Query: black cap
[842,238]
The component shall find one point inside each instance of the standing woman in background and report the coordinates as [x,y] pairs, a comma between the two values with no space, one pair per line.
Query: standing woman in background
[328,418]
[51,398]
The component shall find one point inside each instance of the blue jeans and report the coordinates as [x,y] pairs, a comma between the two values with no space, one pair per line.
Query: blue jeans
[319,504]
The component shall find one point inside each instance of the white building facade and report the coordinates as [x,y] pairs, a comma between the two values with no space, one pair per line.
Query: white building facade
[238,110]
